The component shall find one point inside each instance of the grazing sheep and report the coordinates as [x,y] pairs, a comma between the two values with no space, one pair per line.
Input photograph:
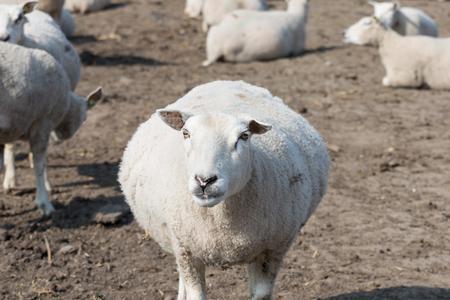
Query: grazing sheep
[194,8]
[404,20]
[86,6]
[20,24]
[246,35]
[214,11]
[35,99]
[410,61]
[225,187]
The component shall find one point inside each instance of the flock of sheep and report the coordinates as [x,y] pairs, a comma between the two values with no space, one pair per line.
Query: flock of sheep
[228,174]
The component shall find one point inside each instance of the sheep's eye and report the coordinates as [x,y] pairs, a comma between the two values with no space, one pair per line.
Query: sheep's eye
[19,18]
[186,134]
[244,136]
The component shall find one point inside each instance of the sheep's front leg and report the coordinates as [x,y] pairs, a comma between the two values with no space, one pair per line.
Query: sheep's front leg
[262,274]
[9,182]
[181,289]
[192,278]
[39,149]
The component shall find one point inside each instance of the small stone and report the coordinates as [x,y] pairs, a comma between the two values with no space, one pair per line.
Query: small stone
[111,214]
[67,249]
[334,148]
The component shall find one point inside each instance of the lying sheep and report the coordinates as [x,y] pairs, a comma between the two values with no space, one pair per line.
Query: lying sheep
[20,24]
[246,35]
[35,99]
[232,184]
[214,11]
[410,61]
[55,9]
[404,20]
[86,6]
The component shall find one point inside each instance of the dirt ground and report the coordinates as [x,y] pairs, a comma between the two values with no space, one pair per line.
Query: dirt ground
[382,232]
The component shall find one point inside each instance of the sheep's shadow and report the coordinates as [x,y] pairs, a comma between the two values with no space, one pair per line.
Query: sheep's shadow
[101,174]
[80,212]
[397,293]
[83,39]
[88,58]
[322,49]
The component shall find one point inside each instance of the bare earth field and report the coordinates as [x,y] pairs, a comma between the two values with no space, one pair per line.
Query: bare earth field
[382,232]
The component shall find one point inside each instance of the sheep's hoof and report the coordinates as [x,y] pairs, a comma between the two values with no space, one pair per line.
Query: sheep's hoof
[206,63]
[47,208]
[8,186]
[386,81]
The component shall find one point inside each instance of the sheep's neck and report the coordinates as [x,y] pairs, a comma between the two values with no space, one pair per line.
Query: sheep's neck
[385,36]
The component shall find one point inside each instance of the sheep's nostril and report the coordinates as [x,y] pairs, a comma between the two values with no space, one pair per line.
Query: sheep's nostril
[204,182]
[6,38]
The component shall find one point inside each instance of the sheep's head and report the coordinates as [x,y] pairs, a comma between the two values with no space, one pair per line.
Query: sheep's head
[364,32]
[76,115]
[385,12]
[194,8]
[218,152]
[12,20]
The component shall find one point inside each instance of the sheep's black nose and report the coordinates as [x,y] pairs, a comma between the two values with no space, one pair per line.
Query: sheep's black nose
[203,182]
[6,38]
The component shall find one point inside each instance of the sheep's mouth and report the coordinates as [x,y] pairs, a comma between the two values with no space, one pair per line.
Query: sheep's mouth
[208,200]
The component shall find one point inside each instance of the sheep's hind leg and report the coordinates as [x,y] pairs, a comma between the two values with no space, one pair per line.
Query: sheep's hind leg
[9,182]
[402,79]
[262,274]
[192,278]
[39,149]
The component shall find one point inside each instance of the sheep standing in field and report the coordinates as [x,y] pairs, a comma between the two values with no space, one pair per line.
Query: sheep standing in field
[404,20]
[86,6]
[409,61]
[246,35]
[214,11]
[55,9]
[20,24]
[226,175]
[35,99]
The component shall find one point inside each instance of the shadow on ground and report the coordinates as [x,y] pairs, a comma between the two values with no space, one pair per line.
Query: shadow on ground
[397,293]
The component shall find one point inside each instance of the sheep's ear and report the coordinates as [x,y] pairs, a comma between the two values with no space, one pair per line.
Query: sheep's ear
[256,127]
[28,7]
[396,5]
[174,118]
[94,97]
[373,3]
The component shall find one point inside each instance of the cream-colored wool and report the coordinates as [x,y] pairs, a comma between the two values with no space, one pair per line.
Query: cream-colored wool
[266,187]
[404,20]
[409,61]
[35,99]
[246,35]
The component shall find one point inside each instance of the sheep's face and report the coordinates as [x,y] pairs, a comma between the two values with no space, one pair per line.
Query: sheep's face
[12,20]
[76,115]
[385,12]
[194,8]
[363,32]
[218,152]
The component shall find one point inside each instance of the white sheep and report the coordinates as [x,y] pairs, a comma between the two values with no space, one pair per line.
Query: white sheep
[194,8]
[86,6]
[55,9]
[233,183]
[409,61]
[20,24]
[246,35]
[214,11]
[35,99]
[404,20]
